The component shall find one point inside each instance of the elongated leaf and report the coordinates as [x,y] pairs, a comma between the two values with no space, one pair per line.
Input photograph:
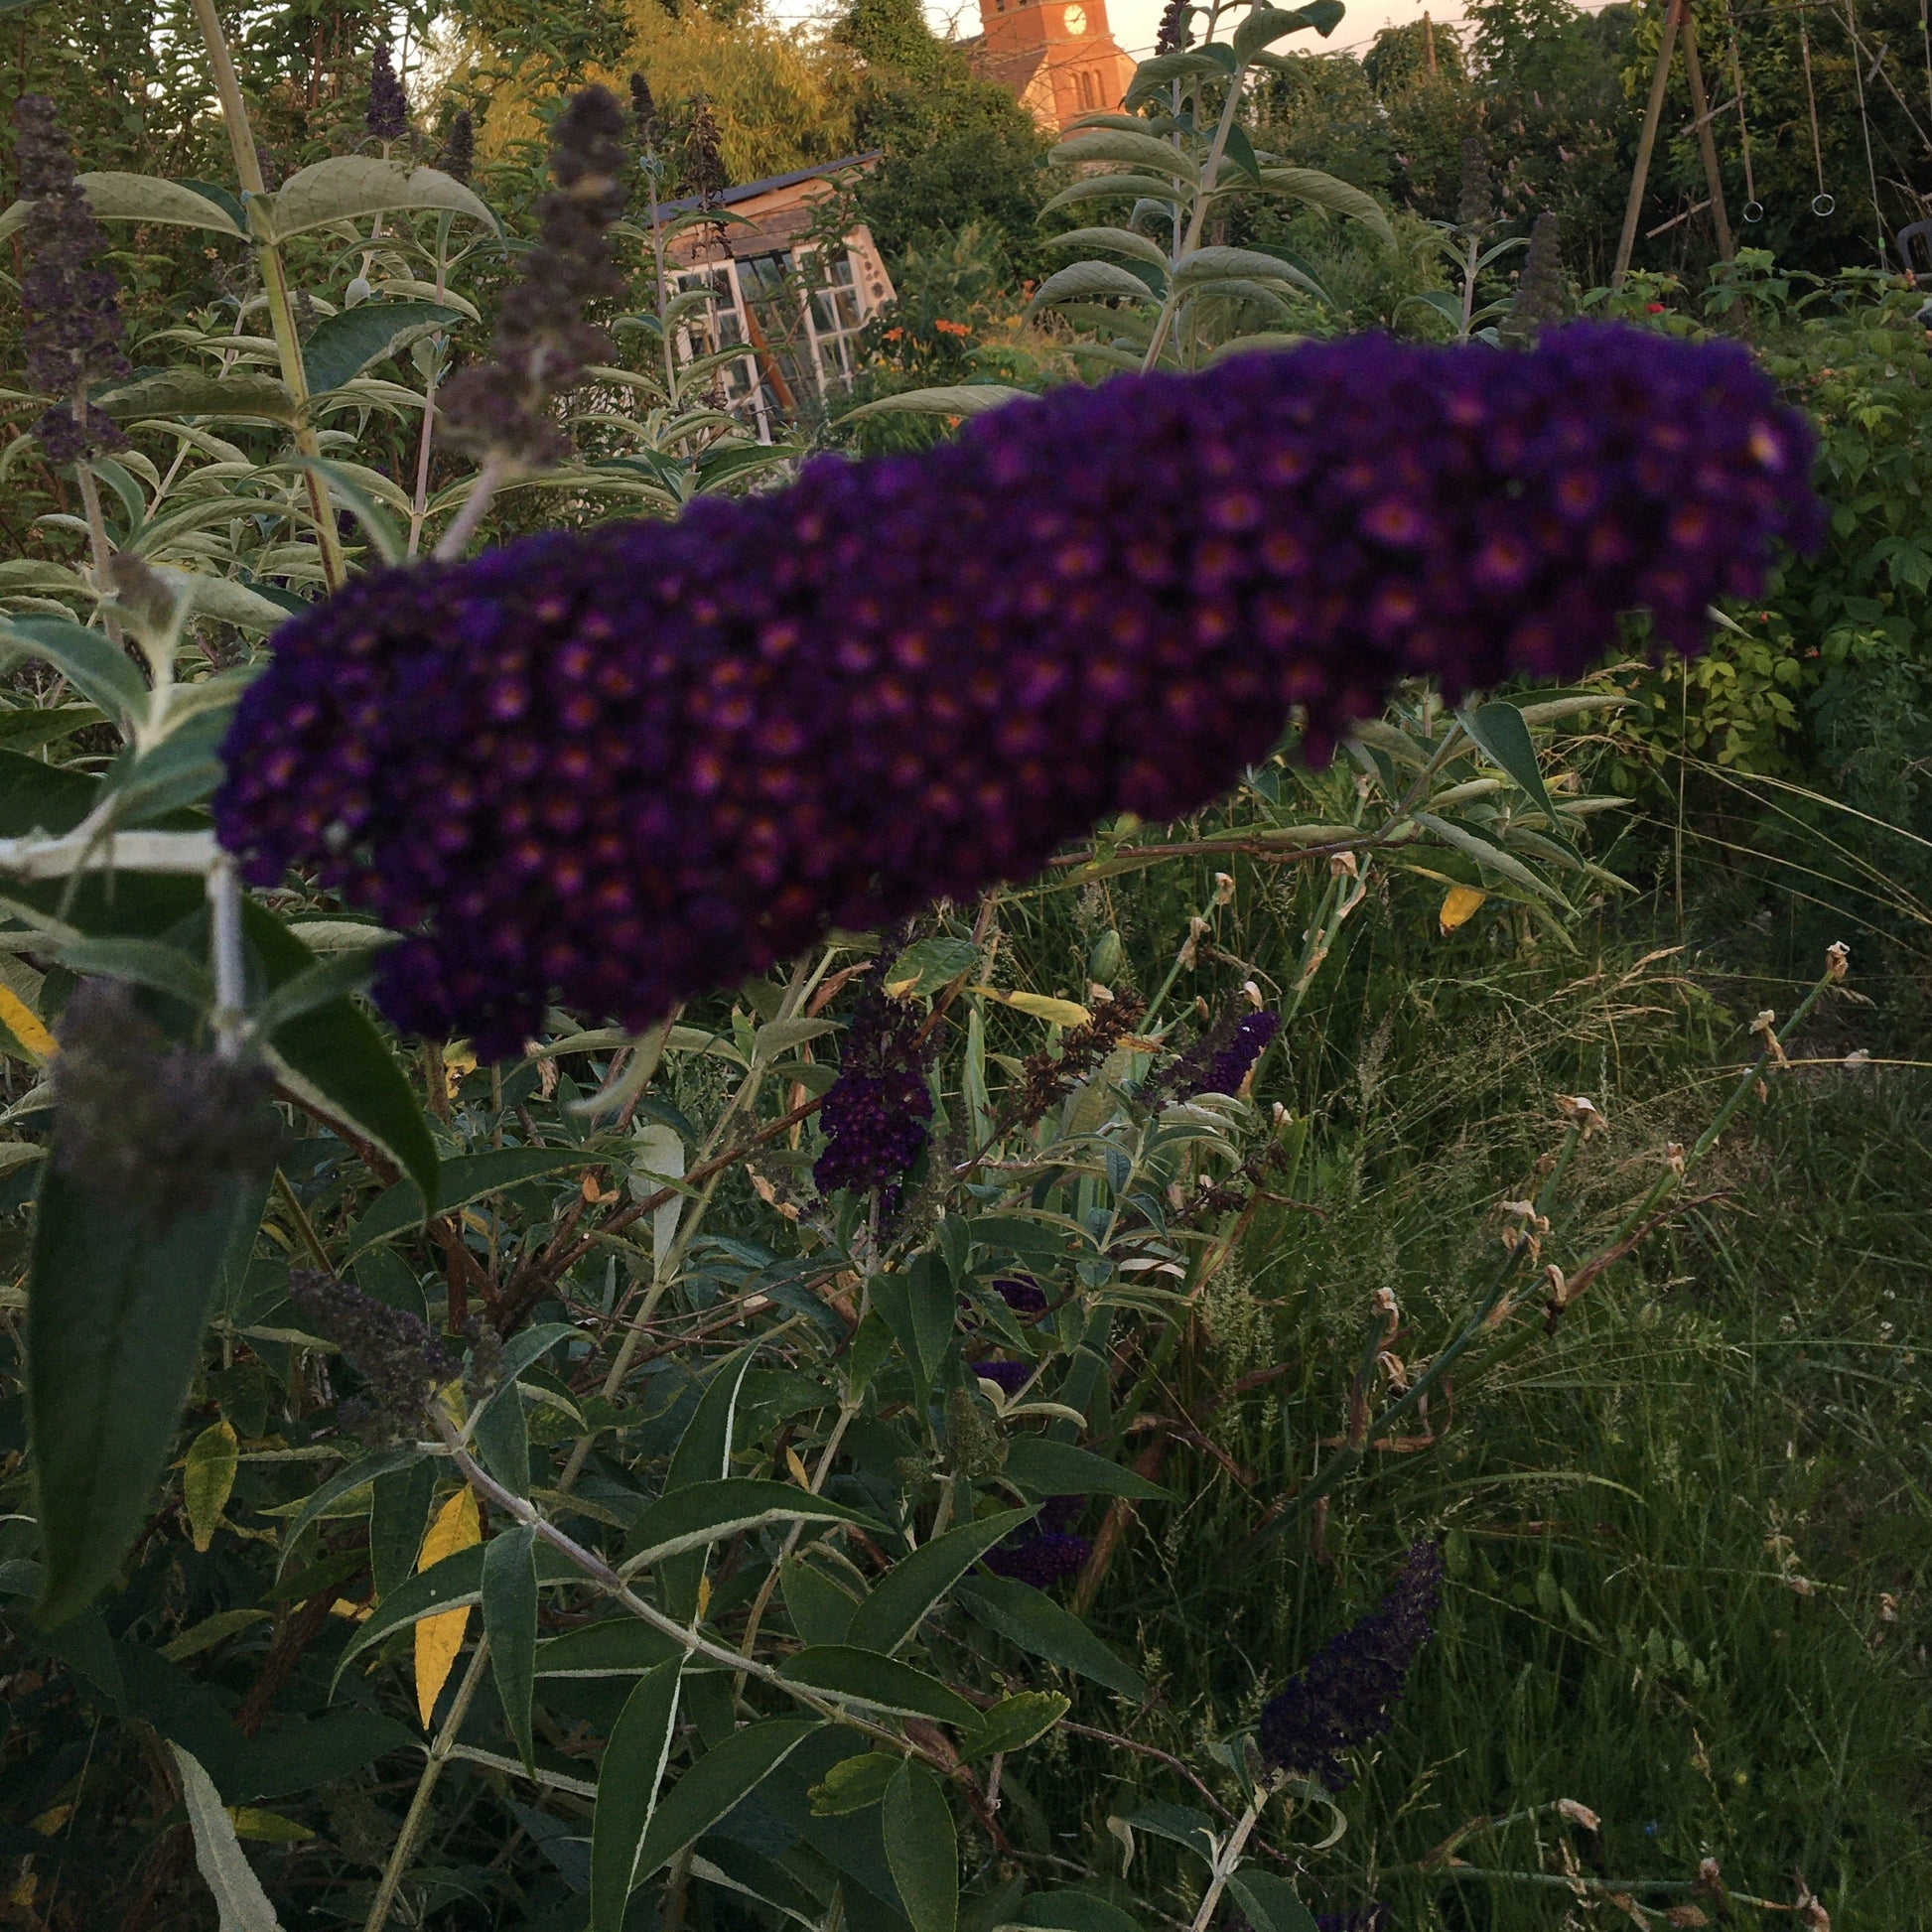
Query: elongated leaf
[1075,1911]
[1154,77]
[398,1516]
[243,398]
[1318,189]
[613,1646]
[1014,1722]
[1486,853]
[866,1677]
[207,1480]
[115,1310]
[469,1177]
[224,597]
[349,185]
[509,1608]
[900,1600]
[1120,242]
[454,1583]
[1044,1628]
[820,1609]
[116,197]
[320,984]
[143,962]
[1108,188]
[1061,1469]
[1263,27]
[855,1784]
[457,1527]
[238,1896]
[97,668]
[1269,1903]
[1146,151]
[627,1788]
[344,344]
[693,1518]
[1083,281]
[714,1784]
[922,1848]
[364,1470]
[960,399]
[333,1059]
[346,487]
[1504,740]
[521,1354]
[703,1454]
[502,1438]
[1237,265]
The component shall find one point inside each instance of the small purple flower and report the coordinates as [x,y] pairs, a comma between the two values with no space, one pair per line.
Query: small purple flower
[876,1113]
[1348,1694]
[1008,1377]
[1045,1550]
[1020,1296]
[389,116]
[72,306]
[1219,1061]
[622,766]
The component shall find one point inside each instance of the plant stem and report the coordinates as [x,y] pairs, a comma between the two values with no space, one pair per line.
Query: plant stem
[1230,1855]
[225,943]
[1204,194]
[275,283]
[412,1824]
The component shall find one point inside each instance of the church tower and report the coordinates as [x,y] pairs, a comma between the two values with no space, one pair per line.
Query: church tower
[1057,58]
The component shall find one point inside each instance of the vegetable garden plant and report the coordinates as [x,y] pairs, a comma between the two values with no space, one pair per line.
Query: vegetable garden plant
[693,1380]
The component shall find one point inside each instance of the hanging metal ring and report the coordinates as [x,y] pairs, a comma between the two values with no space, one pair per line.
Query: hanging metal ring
[1822,206]
[1753,210]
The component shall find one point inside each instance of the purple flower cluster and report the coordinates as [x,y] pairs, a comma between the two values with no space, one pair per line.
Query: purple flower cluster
[1043,1551]
[1010,1377]
[72,306]
[1221,1059]
[1020,1296]
[875,1113]
[633,762]
[389,116]
[1348,1694]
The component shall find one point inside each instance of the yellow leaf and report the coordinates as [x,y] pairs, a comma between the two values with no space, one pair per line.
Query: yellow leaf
[1459,907]
[1061,1013]
[795,1464]
[266,1827]
[703,1596]
[458,1059]
[50,1821]
[439,1639]
[25,1025]
[207,1479]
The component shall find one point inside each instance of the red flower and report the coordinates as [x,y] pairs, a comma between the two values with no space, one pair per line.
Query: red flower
[1653,307]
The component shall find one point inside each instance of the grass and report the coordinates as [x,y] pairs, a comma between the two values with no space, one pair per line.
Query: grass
[1686,1533]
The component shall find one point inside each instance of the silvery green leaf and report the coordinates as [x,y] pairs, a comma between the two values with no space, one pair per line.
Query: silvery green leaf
[352,185]
[1104,187]
[1082,281]
[1123,241]
[957,399]
[239,397]
[224,597]
[1261,339]
[117,197]
[1135,150]
[1245,264]
[1320,190]
[238,1896]
[1486,854]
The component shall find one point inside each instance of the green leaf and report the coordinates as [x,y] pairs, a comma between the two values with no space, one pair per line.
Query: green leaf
[502,1436]
[224,597]
[1486,853]
[961,400]
[1338,196]
[900,1600]
[351,184]
[820,1610]
[922,1848]
[1122,241]
[1503,737]
[1014,1722]
[1178,1823]
[1083,281]
[694,1518]
[1042,1627]
[398,1516]
[866,1677]
[243,398]
[1263,27]
[1239,152]
[1107,187]
[1155,75]
[1242,264]
[1268,1902]
[347,489]
[628,1789]
[115,1310]
[336,1060]
[1131,150]
[345,1481]
[142,962]
[1075,1911]
[1061,1469]
[116,197]
[613,1646]
[714,1784]
[342,346]
[703,1454]
[509,1608]
[854,1784]
[99,670]
[320,984]
[469,1177]
[207,1480]
[238,1896]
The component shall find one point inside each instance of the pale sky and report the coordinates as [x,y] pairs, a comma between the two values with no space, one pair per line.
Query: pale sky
[1135,22]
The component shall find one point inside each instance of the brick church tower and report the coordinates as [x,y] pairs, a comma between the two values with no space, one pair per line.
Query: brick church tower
[1057,58]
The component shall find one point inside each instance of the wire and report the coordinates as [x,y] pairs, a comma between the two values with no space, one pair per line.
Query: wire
[1753,207]
[1864,123]
[1817,146]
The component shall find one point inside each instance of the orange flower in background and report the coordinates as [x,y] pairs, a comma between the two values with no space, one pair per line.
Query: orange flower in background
[946,327]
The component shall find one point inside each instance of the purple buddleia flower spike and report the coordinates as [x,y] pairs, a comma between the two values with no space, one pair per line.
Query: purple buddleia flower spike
[389,116]
[621,766]
[877,1112]
[1221,1059]
[1020,1296]
[72,306]
[1348,1694]
[1008,1377]
[1043,1551]
[458,157]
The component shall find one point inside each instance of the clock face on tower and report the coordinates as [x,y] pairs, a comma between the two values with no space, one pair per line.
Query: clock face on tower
[1074,19]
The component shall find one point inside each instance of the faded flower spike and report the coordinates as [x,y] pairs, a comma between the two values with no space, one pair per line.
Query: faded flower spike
[876,1113]
[1542,294]
[398,1357]
[1348,1694]
[499,410]
[389,116]
[159,1129]
[72,306]
[633,762]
